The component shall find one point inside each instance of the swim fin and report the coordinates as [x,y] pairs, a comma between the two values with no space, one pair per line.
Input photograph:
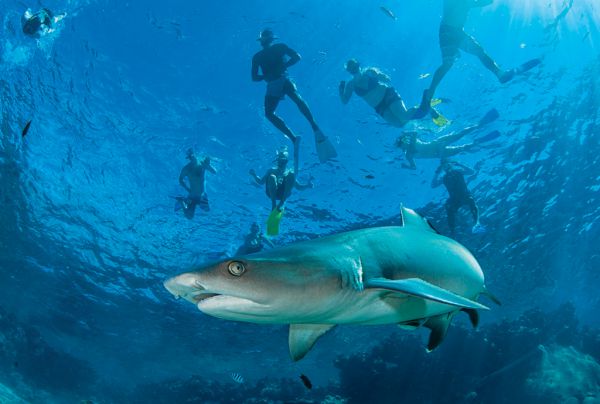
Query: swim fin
[325,149]
[273,222]
[510,74]
[490,136]
[439,119]
[489,117]
[435,101]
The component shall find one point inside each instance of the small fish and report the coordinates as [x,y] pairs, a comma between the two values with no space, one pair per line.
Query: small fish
[370,176]
[238,378]
[388,12]
[26,129]
[306,381]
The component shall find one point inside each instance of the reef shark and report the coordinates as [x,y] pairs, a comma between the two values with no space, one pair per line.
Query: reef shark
[408,275]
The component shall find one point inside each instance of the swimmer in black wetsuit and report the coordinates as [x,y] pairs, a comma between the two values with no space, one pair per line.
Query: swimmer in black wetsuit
[453,39]
[35,25]
[375,88]
[195,172]
[273,61]
[280,181]
[254,242]
[459,195]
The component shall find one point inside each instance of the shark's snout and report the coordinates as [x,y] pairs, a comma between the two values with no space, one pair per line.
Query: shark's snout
[187,286]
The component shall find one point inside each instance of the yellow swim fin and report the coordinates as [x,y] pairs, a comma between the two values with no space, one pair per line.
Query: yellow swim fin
[438,119]
[435,101]
[273,222]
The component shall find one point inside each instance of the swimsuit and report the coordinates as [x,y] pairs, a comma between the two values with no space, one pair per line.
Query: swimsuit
[278,88]
[390,97]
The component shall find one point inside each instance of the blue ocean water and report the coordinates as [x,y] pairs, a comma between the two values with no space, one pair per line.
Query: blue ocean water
[120,90]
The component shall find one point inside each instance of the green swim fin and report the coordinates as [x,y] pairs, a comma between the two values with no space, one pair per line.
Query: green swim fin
[435,101]
[273,222]
[325,149]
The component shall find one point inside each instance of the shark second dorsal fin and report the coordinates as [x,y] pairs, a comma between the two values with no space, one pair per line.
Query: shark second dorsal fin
[303,336]
[410,218]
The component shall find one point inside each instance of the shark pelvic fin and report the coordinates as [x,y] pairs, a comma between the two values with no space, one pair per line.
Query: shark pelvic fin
[303,336]
[473,316]
[410,218]
[438,326]
[425,290]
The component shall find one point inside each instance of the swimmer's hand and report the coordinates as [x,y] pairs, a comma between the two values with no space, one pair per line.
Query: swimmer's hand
[311,184]
[342,86]
[252,172]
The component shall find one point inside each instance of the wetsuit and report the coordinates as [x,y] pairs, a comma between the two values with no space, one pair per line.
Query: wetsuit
[454,181]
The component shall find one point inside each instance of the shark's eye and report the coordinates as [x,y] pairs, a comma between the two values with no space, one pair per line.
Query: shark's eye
[236,268]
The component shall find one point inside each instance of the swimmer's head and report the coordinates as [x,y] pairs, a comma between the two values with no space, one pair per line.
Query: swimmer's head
[266,36]
[403,141]
[282,157]
[190,154]
[352,66]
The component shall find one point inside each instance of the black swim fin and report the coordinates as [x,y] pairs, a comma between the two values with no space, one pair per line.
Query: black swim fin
[489,117]
[490,136]
[510,74]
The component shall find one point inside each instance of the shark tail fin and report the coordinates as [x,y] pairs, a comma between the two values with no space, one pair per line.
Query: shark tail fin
[490,296]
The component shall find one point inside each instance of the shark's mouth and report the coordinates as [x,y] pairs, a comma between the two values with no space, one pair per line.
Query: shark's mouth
[200,297]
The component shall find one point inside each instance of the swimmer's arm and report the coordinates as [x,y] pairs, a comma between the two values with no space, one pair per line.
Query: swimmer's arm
[293,55]
[465,169]
[267,241]
[411,162]
[301,187]
[255,75]
[257,179]
[346,90]
[182,176]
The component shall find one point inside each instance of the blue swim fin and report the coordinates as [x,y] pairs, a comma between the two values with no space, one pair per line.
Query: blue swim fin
[325,149]
[489,117]
[273,222]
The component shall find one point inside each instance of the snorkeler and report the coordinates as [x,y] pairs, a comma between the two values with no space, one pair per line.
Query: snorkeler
[439,148]
[40,23]
[459,195]
[453,39]
[279,185]
[254,242]
[374,87]
[195,172]
[273,61]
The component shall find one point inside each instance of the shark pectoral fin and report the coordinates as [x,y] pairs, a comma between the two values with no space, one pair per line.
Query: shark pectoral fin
[438,326]
[425,290]
[410,218]
[303,337]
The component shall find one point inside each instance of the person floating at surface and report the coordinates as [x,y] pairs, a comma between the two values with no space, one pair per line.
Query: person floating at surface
[279,185]
[195,172]
[439,148]
[254,242]
[453,39]
[459,195]
[374,87]
[273,61]
[38,24]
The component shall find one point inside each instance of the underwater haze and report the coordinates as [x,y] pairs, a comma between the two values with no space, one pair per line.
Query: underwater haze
[118,92]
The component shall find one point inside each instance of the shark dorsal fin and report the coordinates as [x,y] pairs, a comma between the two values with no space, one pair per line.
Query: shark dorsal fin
[412,219]
[303,337]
